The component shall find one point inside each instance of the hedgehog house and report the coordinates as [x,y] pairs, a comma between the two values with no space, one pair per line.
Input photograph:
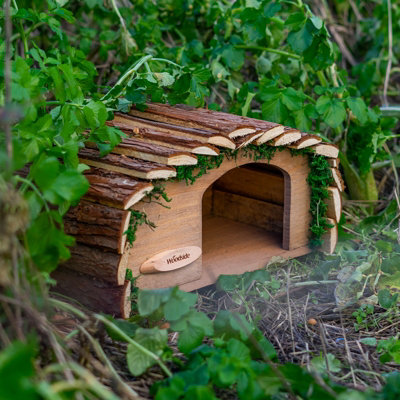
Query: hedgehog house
[241,191]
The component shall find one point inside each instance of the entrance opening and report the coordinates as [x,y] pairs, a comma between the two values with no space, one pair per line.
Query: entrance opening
[243,219]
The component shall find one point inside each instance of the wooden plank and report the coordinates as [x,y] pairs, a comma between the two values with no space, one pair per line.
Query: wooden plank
[98,225]
[334,203]
[222,117]
[247,210]
[126,165]
[337,177]
[327,150]
[171,260]
[153,152]
[94,293]
[330,238]
[334,162]
[115,189]
[201,135]
[243,141]
[185,212]
[101,263]
[286,138]
[306,140]
[166,139]
[231,247]
[229,124]
[255,181]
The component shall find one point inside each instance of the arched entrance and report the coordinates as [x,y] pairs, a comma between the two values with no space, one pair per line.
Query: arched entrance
[243,218]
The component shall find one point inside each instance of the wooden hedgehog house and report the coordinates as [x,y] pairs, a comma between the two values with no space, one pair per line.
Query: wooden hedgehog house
[260,187]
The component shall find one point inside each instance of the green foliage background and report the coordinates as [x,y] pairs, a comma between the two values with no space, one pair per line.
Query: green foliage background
[73,63]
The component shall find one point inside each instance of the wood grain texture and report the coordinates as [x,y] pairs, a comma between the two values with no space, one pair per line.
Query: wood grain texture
[330,238]
[185,131]
[337,177]
[334,162]
[98,225]
[229,124]
[306,140]
[94,293]
[248,210]
[185,218]
[289,136]
[230,247]
[166,139]
[327,150]
[126,165]
[254,181]
[115,189]
[101,263]
[243,141]
[154,152]
[334,203]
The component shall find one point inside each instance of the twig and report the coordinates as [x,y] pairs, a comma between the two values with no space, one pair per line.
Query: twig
[289,308]
[144,350]
[128,391]
[390,53]
[7,83]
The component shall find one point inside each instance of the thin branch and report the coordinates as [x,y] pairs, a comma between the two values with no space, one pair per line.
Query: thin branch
[390,53]
[7,82]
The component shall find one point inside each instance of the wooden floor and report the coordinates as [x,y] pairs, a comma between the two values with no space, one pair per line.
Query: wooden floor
[231,247]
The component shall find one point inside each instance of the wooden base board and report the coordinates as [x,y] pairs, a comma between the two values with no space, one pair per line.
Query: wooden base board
[231,247]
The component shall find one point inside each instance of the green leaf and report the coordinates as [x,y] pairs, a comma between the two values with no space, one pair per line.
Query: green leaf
[178,304]
[319,364]
[332,110]
[129,328]
[358,108]
[200,393]
[293,99]
[301,40]
[233,58]
[253,4]
[150,300]
[238,349]
[153,340]
[16,371]
[190,338]
[295,21]
[164,78]
[95,114]
[70,185]
[369,341]
[386,300]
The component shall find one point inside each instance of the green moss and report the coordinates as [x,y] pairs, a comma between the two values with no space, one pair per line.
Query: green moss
[319,179]
[137,218]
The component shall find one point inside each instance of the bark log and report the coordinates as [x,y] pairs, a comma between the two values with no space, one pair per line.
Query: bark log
[306,140]
[98,225]
[115,189]
[93,293]
[229,124]
[201,135]
[159,137]
[289,136]
[101,263]
[154,152]
[127,165]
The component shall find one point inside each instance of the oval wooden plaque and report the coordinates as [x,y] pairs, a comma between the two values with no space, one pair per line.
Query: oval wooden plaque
[171,259]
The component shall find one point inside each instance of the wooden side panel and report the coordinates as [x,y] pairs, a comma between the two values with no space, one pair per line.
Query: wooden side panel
[248,211]
[181,224]
[257,183]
